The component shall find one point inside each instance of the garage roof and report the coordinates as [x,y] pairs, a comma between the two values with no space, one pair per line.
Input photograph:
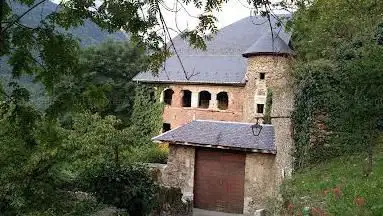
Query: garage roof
[221,134]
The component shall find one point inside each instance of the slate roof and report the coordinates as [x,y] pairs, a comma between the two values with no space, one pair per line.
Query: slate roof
[223,61]
[266,45]
[221,134]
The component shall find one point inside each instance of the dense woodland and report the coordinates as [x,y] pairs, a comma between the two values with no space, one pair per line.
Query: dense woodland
[75,130]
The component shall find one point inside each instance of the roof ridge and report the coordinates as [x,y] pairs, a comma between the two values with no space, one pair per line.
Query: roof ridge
[230,122]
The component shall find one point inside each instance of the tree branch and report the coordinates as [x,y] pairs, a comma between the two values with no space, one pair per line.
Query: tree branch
[171,41]
[22,15]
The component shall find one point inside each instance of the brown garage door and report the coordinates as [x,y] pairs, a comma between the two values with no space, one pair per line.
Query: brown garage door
[219,180]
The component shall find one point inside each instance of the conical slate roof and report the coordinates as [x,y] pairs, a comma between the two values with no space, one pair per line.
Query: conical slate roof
[268,44]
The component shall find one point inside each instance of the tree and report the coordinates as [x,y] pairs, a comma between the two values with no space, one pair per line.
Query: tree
[104,82]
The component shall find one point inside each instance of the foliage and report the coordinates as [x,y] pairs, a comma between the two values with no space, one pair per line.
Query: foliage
[104,83]
[130,187]
[269,104]
[338,187]
[41,161]
[338,78]
[32,153]
[149,153]
[147,114]
[94,141]
[115,64]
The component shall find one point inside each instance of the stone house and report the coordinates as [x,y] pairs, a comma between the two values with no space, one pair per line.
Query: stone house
[220,156]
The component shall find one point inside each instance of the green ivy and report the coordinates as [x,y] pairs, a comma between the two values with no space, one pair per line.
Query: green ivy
[269,104]
[147,113]
[338,79]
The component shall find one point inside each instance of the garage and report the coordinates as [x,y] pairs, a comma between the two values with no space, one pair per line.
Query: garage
[219,180]
[221,166]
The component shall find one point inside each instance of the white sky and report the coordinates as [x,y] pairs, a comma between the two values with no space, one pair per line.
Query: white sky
[232,11]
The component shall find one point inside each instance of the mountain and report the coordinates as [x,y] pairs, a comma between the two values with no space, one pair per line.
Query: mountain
[88,34]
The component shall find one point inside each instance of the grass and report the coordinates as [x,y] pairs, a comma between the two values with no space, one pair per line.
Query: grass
[338,187]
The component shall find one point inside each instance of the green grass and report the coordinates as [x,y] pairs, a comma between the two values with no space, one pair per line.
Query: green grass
[333,187]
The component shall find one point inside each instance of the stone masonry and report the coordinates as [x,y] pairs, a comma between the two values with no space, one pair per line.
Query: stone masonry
[276,69]
[179,171]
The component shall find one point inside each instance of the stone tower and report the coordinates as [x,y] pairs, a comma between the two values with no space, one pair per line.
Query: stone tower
[268,69]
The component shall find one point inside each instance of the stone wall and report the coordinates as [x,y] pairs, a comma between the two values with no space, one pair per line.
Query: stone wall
[278,79]
[281,82]
[179,171]
[259,184]
[176,115]
[275,69]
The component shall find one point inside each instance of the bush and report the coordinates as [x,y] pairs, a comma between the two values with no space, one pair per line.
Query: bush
[129,187]
[148,154]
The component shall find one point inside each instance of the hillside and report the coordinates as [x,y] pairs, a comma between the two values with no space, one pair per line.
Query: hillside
[338,187]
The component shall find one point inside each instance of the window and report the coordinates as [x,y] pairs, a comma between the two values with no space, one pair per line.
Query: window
[204,99]
[166,127]
[168,96]
[152,94]
[262,76]
[186,98]
[260,108]
[223,100]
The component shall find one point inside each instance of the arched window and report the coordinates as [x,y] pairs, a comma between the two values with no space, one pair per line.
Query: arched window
[186,98]
[168,96]
[204,99]
[223,100]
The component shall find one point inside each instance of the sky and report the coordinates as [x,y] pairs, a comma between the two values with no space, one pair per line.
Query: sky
[232,11]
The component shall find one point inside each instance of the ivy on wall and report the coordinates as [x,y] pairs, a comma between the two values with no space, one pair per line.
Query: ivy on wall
[339,79]
[269,103]
[147,113]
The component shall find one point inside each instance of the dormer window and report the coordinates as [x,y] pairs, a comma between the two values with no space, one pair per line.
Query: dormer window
[262,76]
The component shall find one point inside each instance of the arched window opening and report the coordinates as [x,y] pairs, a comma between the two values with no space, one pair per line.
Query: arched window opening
[186,98]
[223,100]
[168,96]
[204,99]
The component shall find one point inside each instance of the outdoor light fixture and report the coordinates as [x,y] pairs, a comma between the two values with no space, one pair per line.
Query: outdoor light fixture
[256,128]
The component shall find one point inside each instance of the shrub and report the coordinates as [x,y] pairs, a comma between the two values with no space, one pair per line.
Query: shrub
[148,154]
[129,187]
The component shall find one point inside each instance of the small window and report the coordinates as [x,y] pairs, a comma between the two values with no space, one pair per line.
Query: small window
[260,108]
[204,99]
[186,98]
[168,96]
[152,96]
[262,76]
[166,127]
